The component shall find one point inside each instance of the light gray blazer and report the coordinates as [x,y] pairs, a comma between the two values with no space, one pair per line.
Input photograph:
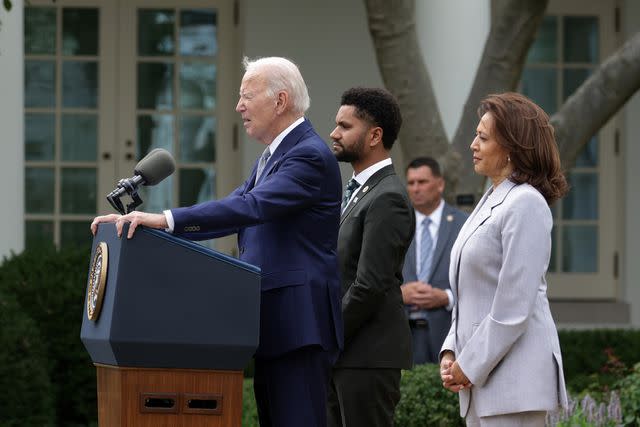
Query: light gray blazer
[502,332]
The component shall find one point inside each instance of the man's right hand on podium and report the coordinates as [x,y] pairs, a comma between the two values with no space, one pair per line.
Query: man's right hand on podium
[134,218]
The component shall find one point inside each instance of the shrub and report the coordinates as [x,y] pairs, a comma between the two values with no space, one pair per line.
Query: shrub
[50,286]
[587,412]
[595,359]
[25,389]
[424,402]
[629,389]
[249,408]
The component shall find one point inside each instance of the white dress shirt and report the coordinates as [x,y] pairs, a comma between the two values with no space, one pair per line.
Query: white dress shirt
[434,226]
[363,176]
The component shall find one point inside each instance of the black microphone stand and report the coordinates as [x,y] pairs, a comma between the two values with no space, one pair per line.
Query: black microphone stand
[114,197]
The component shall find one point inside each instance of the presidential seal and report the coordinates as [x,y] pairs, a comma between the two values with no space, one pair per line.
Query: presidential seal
[97,281]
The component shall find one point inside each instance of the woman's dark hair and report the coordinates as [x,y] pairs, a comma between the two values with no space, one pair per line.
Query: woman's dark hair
[523,129]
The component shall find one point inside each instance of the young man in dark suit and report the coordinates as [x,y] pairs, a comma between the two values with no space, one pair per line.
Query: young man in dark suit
[286,216]
[376,228]
[426,290]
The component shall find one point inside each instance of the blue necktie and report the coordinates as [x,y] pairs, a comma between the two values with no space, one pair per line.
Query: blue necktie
[348,191]
[262,163]
[426,251]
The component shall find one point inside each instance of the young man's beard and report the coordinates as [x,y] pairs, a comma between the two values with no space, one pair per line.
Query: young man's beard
[351,154]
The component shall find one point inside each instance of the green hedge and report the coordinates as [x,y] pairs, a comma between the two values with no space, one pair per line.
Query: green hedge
[598,358]
[25,389]
[41,306]
[50,285]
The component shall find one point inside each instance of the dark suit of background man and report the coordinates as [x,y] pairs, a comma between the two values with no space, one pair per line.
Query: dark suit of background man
[286,216]
[376,227]
[426,289]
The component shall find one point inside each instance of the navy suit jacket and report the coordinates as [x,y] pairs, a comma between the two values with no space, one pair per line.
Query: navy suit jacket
[287,225]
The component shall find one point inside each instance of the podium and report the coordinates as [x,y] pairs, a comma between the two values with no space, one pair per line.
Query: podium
[170,325]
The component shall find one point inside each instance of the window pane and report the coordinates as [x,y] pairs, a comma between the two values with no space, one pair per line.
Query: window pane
[573,78]
[155,32]
[545,44]
[588,157]
[39,190]
[580,249]
[39,136]
[540,84]
[159,197]
[38,234]
[79,137]
[581,39]
[154,131]
[39,30]
[582,200]
[197,86]
[196,185]
[197,139]
[79,191]
[80,29]
[75,233]
[39,84]
[80,84]
[155,86]
[554,252]
[198,33]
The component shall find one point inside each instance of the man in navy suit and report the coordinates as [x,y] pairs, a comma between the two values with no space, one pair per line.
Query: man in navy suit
[287,217]
[426,290]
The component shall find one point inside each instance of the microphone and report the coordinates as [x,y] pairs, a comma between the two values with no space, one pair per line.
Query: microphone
[153,168]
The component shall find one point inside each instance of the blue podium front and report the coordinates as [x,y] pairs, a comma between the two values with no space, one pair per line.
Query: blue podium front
[166,302]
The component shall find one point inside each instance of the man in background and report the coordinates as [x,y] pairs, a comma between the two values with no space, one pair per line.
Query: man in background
[426,290]
[376,228]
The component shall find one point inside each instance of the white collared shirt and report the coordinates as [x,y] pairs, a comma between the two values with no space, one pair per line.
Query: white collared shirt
[272,149]
[363,176]
[434,227]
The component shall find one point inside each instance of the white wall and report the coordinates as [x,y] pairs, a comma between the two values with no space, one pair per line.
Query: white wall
[11,131]
[452,34]
[631,152]
[333,50]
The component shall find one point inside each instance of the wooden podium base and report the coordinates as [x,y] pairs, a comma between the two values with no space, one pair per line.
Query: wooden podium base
[145,397]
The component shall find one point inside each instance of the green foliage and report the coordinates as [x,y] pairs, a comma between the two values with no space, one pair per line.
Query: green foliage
[629,389]
[588,412]
[595,359]
[7,5]
[25,389]
[50,285]
[424,401]
[249,408]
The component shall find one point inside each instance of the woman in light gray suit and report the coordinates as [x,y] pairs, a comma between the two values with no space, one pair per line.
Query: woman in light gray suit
[502,352]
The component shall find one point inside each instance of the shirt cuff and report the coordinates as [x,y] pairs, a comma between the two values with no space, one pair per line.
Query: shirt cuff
[451,301]
[171,224]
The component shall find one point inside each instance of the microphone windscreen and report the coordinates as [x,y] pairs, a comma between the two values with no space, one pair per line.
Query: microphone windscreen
[155,166]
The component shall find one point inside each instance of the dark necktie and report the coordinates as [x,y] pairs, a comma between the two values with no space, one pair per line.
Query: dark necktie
[264,158]
[352,185]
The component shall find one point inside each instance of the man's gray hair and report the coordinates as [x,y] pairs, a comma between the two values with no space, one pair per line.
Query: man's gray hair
[281,74]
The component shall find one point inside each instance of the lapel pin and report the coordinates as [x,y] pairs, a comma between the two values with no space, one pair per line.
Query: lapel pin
[364,190]
[449,218]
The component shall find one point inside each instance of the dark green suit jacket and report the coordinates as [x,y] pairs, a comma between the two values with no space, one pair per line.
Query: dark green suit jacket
[376,230]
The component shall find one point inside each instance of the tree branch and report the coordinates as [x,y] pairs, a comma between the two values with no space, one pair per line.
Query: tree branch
[513,28]
[393,31]
[597,100]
